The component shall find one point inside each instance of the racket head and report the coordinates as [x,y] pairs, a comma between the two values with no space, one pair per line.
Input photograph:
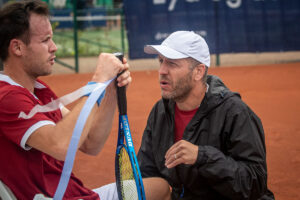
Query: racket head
[128,176]
[125,178]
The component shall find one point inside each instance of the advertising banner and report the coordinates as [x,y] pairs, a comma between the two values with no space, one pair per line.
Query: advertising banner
[227,25]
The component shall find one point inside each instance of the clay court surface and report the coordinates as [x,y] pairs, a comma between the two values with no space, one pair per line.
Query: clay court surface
[272,91]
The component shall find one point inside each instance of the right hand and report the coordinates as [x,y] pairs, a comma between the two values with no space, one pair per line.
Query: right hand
[108,66]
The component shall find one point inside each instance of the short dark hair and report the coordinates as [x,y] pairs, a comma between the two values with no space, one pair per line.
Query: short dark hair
[14,22]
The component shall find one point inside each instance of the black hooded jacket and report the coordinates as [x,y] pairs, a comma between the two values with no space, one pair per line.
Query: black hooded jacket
[231,162]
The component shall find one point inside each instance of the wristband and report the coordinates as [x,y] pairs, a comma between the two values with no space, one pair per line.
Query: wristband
[101,96]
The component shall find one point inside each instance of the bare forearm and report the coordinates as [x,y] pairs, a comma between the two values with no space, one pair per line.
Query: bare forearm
[54,140]
[102,123]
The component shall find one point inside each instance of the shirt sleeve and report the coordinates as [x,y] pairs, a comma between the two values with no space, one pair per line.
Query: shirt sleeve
[18,129]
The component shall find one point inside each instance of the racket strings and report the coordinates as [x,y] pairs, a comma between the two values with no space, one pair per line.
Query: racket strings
[127,181]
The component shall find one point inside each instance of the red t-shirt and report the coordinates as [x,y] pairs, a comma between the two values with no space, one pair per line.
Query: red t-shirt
[27,171]
[182,119]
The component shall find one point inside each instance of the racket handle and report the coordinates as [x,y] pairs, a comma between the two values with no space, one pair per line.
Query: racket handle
[121,91]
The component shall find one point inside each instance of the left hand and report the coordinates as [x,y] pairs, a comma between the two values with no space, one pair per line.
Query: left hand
[182,152]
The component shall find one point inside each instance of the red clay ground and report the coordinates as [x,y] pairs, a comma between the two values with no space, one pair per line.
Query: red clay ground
[273,92]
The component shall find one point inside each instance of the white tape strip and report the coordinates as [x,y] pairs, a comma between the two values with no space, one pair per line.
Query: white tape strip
[62,101]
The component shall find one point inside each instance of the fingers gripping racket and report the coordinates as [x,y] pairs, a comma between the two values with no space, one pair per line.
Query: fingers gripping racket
[128,176]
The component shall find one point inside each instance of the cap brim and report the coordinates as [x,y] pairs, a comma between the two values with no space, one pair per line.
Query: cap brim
[164,51]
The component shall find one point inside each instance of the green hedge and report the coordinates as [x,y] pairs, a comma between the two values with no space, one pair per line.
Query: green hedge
[90,42]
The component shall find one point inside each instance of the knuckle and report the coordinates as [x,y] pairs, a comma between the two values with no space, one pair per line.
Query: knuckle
[181,146]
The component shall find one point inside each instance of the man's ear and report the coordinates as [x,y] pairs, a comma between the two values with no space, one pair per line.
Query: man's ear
[15,47]
[199,71]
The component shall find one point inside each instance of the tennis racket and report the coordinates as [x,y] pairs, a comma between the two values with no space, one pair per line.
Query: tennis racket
[128,176]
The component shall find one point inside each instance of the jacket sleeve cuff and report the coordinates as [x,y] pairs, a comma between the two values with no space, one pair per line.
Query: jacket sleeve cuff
[202,157]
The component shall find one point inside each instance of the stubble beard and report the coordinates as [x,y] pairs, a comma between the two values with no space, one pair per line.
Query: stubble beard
[36,70]
[181,89]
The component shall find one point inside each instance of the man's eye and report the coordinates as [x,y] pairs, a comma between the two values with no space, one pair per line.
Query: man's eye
[172,63]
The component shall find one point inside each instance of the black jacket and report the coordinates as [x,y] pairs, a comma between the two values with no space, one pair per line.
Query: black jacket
[231,161]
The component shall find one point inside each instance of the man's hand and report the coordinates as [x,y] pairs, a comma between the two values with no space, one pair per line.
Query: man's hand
[124,79]
[182,152]
[108,66]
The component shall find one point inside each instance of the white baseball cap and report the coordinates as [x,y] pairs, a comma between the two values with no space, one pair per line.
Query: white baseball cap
[182,44]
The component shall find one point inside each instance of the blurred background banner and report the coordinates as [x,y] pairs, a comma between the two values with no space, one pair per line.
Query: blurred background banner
[229,26]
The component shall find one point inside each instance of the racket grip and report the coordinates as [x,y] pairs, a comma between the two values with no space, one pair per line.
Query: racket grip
[121,91]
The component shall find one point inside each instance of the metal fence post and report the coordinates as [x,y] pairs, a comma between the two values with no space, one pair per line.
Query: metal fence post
[75,35]
[122,30]
[217,35]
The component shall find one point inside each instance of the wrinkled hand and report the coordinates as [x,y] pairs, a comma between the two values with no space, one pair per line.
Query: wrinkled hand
[182,152]
[108,66]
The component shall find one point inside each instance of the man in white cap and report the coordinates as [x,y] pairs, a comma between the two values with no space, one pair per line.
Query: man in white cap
[33,149]
[201,137]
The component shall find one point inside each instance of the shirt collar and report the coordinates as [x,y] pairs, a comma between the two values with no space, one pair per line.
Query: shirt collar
[8,80]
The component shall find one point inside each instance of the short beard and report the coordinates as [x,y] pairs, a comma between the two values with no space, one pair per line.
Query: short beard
[36,72]
[182,88]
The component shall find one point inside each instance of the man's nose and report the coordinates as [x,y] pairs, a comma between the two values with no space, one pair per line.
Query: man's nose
[163,69]
[53,47]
